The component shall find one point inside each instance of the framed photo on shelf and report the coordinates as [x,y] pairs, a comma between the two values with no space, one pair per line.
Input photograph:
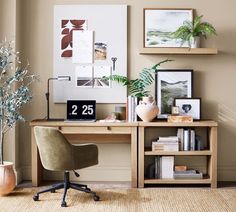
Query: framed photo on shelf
[159,24]
[169,85]
[189,107]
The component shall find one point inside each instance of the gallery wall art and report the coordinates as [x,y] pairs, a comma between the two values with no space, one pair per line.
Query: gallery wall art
[90,42]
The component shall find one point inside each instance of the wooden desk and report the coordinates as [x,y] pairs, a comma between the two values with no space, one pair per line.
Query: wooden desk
[96,132]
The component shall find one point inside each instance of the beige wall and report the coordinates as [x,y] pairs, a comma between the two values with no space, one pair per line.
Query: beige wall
[214,76]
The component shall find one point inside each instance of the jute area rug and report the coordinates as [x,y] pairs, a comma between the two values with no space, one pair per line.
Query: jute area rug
[122,200]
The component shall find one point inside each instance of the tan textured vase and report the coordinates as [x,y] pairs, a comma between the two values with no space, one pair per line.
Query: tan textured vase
[147,109]
[7,178]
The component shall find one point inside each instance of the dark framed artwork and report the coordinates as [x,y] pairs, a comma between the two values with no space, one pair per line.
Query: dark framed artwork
[189,107]
[160,23]
[169,85]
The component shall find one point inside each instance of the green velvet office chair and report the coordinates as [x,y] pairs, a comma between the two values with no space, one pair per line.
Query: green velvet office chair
[57,154]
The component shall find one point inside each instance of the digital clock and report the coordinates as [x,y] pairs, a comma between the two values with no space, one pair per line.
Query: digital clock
[81,110]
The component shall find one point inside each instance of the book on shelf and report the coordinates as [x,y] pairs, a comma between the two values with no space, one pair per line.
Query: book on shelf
[188,174]
[167,167]
[169,143]
[187,139]
[132,103]
[157,167]
[159,146]
[168,139]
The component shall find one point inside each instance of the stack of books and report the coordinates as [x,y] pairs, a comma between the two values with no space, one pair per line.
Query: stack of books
[131,105]
[188,174]
[164,167]
[187,140]
[170,143]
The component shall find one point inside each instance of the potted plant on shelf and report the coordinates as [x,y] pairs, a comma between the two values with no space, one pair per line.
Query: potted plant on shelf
[14,93]
[147,109]
[192,31]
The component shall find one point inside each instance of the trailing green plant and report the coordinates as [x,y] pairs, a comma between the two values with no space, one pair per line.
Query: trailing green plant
[14,90]
[191,29]
[138,87]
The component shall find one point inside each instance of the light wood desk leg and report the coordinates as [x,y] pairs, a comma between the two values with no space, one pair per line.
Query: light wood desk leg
[134,157]
[37,169]
[141,157]
[212,166]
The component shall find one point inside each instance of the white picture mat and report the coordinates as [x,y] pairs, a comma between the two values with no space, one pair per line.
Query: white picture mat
[195,110]
[172,77]
[165,20]
[82,46]
[101,19]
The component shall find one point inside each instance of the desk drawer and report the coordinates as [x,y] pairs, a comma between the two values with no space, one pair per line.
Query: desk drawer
[96,130]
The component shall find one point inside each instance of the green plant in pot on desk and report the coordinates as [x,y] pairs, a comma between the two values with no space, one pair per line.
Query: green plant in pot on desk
[14,93]
[147,109]
[192,31]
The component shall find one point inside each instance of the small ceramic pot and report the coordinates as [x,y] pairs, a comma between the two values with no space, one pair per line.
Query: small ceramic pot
[7,178]
[195,42]
[147,109]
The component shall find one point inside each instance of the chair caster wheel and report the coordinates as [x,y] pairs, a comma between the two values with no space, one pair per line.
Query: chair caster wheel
[53,191]
[96,198]
[36,198]
[63,204]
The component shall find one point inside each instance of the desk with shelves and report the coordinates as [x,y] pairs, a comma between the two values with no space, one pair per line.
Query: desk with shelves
[210,153]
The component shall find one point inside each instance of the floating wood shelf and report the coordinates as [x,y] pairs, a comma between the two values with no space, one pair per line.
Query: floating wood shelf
[186,153]
[179,51]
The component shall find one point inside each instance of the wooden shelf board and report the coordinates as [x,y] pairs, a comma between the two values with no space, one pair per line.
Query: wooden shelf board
[180,51]
[178,181]
[191,153]
[205,123]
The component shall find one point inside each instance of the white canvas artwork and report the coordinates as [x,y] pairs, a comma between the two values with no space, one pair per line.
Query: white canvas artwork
[99,73]
[82,46]
[95,41]
[160,23]
[84,76]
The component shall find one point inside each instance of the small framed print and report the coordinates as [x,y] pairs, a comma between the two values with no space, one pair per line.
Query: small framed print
[189,107]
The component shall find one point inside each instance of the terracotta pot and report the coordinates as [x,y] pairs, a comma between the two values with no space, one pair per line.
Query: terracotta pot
[7,178]
[147,109]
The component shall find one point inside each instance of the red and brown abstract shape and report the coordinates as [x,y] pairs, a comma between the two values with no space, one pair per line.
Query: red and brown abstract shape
[68,26]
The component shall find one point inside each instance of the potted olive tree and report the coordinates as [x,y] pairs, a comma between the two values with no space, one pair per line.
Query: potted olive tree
[14,94]
[147,109]
[192,31]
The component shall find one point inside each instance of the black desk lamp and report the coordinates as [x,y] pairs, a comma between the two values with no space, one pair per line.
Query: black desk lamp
[59,78]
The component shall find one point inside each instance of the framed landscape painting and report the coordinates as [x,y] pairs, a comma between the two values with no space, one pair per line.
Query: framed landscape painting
[159,24]
[171,84]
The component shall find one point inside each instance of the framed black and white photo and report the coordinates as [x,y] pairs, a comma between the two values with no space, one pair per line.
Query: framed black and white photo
[189,107]
[159,24]
[171,84]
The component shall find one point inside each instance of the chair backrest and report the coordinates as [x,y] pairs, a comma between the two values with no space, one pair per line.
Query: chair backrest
[55,151]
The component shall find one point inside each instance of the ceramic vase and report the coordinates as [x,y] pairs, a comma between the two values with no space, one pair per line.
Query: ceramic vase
[195,42]
[147,109]
[7,178]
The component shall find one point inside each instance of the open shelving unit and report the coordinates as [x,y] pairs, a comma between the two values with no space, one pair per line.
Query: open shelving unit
[178,51]
[210,178]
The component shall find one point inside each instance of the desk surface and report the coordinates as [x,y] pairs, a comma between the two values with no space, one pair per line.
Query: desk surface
[43,122]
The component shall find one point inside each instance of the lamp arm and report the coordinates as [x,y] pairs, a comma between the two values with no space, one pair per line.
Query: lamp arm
[47,96]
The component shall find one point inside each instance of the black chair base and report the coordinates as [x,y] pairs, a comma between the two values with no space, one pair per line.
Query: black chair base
[66,185]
